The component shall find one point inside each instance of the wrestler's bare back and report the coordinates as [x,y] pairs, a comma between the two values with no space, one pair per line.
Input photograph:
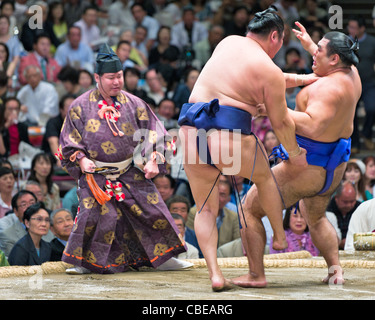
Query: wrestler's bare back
[328,106]
[221,78]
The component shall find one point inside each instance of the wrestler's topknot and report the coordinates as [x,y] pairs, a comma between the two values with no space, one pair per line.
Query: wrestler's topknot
[266,21]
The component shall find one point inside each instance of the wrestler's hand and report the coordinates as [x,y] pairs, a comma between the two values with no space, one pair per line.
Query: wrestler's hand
[299,160]
[87,165]
[151,169]
[307,78]
[305,39]
[261,110]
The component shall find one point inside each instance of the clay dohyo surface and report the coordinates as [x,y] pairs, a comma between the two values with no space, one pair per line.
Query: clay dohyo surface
[193,284]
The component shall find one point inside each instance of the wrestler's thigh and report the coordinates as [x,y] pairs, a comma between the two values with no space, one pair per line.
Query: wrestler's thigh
[236,154]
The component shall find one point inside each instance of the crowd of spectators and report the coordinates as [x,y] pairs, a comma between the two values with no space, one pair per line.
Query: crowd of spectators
[47,59]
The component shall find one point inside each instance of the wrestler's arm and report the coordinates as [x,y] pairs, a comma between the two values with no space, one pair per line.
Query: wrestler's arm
[282,123]
[297,80]
[305,39]
[319,114]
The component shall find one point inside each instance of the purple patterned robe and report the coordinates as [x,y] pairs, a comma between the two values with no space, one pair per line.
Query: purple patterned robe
[138,231]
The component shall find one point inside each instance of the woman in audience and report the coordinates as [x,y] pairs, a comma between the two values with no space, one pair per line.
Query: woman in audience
[297,234]
[42,171]
[369,161]
[355,173]
[31,249]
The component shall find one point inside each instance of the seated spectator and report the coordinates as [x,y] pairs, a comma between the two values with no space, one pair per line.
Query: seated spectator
[297,234]
[56,17]
[51,136]
[12,131]
[131,84]
[75,53]
[85,80]
[61,226]
[119,14]
[154,85]
[270,141]
[123,52]
[192,252]
[150,25]
[39,99]
[189,31]
[179,204]
[260,125]
[165,185]
[40,56]
[4,83]
[204,48]
[30,32]
[36,189]
[73,10]
[313,16]
[32,249]
[135,55]
[90,31]
[69,78]
[13,44]
[343,204]
[239,189]
[163,42]
[237,25]
[362,221]
[42,171]
[288,10]
[7,181]
[182,92]
[6,66]
[12,227]
[355,173]
[369,161]
[7,8]
[166,111]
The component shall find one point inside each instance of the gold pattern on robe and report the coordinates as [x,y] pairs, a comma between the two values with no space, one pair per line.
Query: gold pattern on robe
[89,230]
[152,136]
[93,154]
[78,252]
[75,137]
[121,98]
[136,209]
[152,198]
[108,147]
[119,213]
[75,113]
[142,113]
[127,128]
[88,202]
[160,224]
[94,96]
[90,257]
[159,249]
[92,125]
[120,259]
[138,177]
[109,237]
[104,210]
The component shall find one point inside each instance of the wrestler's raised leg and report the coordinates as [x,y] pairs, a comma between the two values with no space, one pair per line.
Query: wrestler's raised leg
[246,148]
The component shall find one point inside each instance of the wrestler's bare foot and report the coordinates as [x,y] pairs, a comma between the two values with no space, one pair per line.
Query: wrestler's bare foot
[337,277]
[219,283]
[250,280]
[279,243]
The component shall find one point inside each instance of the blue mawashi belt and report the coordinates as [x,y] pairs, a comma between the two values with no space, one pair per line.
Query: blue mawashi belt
[328,155]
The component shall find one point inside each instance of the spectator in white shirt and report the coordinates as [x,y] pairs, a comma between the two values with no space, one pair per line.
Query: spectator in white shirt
[90,31]
[39,99]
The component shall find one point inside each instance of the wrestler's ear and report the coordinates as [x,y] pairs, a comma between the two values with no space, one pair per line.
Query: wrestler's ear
[335,59]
